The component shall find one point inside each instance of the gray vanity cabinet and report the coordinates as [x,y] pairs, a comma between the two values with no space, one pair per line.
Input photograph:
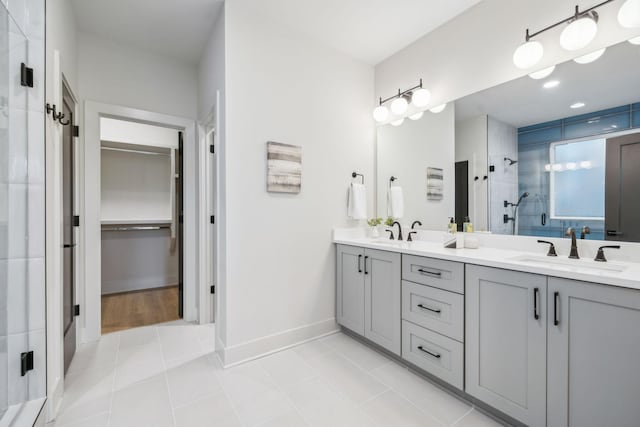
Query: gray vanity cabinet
[594,355]
[368,300]
[350,288]
[506,337]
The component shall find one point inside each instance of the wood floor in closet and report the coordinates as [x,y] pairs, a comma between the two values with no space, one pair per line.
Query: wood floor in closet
[140,308]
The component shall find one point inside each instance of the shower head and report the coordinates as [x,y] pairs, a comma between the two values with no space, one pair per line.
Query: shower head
[510,161]
[524,196]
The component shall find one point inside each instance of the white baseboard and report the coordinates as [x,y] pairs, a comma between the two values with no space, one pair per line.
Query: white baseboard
[241,353]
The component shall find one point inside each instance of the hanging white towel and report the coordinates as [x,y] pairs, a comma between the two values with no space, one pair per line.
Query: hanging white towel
[395,202]
[357,203]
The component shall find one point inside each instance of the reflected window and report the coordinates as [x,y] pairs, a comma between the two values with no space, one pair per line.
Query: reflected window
[577,179]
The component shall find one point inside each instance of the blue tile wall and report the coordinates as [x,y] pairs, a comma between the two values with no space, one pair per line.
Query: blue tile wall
[533,154]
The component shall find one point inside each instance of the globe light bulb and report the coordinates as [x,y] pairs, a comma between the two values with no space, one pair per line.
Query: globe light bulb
[528,54]
[380,113]
[399,106]
[421,98]
[579,33]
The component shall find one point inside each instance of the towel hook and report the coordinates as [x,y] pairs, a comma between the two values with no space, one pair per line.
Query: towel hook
[392,179]
[354,174]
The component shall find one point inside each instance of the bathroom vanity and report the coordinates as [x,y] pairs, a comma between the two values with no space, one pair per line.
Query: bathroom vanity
[546,343]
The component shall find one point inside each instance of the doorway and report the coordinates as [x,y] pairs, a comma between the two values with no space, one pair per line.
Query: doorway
[69,224]
[141,208]
[622,207]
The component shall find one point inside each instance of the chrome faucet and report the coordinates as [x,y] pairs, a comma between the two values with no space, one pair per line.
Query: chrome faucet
[399,229]
[574,245]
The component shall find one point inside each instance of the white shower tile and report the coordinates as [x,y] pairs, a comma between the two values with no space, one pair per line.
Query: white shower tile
[18,384]
[17,289]
[17,221]
[37,379]
[18,161]
[35,147]
[36,222]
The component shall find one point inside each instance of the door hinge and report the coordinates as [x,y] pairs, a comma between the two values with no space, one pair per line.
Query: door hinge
[76,131]
[76,220]
[213,289]
[26,75]
[76,310]
[212,149]
[26,362]
[212,219]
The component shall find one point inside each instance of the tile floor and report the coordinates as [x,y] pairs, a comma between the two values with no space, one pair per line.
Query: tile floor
[167,375]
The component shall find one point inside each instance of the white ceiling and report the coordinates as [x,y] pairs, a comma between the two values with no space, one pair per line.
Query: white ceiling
[176,28]
[369,30]
[611,81]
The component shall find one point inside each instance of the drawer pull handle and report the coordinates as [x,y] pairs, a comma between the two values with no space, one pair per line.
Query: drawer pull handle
[359,266]
[437,356]
[430,273]
[536,295]
[435,310]
[365,265]
[556,322]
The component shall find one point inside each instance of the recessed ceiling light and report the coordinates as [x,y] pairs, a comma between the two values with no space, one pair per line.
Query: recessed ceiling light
[551,84]
[542,73]
[577,105]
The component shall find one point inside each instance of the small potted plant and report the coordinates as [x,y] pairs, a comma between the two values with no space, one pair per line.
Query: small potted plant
[373,224]
[389,222]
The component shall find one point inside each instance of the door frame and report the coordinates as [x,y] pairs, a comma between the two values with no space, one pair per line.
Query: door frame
[209,195]
[90,298]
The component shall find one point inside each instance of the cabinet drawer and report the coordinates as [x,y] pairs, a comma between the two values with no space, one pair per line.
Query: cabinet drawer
[436,354]
[441,274]
[434,309]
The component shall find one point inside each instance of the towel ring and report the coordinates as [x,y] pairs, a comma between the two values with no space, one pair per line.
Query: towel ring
[354,174]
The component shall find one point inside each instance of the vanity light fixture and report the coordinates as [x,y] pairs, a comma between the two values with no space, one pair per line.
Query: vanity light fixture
[629,14]
[635,40]
[418,96]
[590,57]
[551,84]
[546,72]
[417,116]
[380,113]
[577,105]
[578,34]
[438,108]
[397,122]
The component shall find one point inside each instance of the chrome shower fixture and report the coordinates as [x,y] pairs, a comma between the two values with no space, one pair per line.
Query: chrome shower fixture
[510,161]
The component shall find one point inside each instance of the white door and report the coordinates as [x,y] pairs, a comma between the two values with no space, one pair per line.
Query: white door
[213,226]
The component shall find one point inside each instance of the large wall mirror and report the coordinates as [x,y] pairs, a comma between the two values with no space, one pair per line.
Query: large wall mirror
[533,156]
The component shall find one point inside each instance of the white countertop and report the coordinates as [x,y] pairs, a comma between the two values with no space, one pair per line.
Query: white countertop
[584,269]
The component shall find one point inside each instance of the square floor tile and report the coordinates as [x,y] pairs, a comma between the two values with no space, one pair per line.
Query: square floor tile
[211,411]
[287,367]
[245,382]
[476,418]
[263,407]
[363,356]
[145,404]
[193,380]
[391,409]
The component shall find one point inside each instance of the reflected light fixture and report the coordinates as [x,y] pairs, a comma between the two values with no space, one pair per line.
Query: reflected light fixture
[629,14]
[577,105]
[417,116]
[542,73]
[418,96]
[590,57]
[397,122]
[635,40]
[550,84]
[438,108]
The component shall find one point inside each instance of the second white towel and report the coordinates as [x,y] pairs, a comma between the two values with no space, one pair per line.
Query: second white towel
[357,203]
[395,202]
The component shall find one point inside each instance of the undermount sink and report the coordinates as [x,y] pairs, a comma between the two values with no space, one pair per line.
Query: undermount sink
[571,264]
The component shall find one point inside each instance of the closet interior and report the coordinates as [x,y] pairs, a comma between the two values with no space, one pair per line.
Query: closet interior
[141,208]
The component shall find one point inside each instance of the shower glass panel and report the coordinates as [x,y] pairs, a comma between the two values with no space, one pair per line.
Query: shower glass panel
[4,210]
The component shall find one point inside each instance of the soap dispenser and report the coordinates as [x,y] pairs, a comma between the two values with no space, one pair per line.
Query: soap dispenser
[452,227]
[467,226]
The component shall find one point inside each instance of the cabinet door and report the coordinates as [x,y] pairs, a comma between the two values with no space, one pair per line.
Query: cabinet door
[350,288]
[382,299]
[505,328]
[594,352]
